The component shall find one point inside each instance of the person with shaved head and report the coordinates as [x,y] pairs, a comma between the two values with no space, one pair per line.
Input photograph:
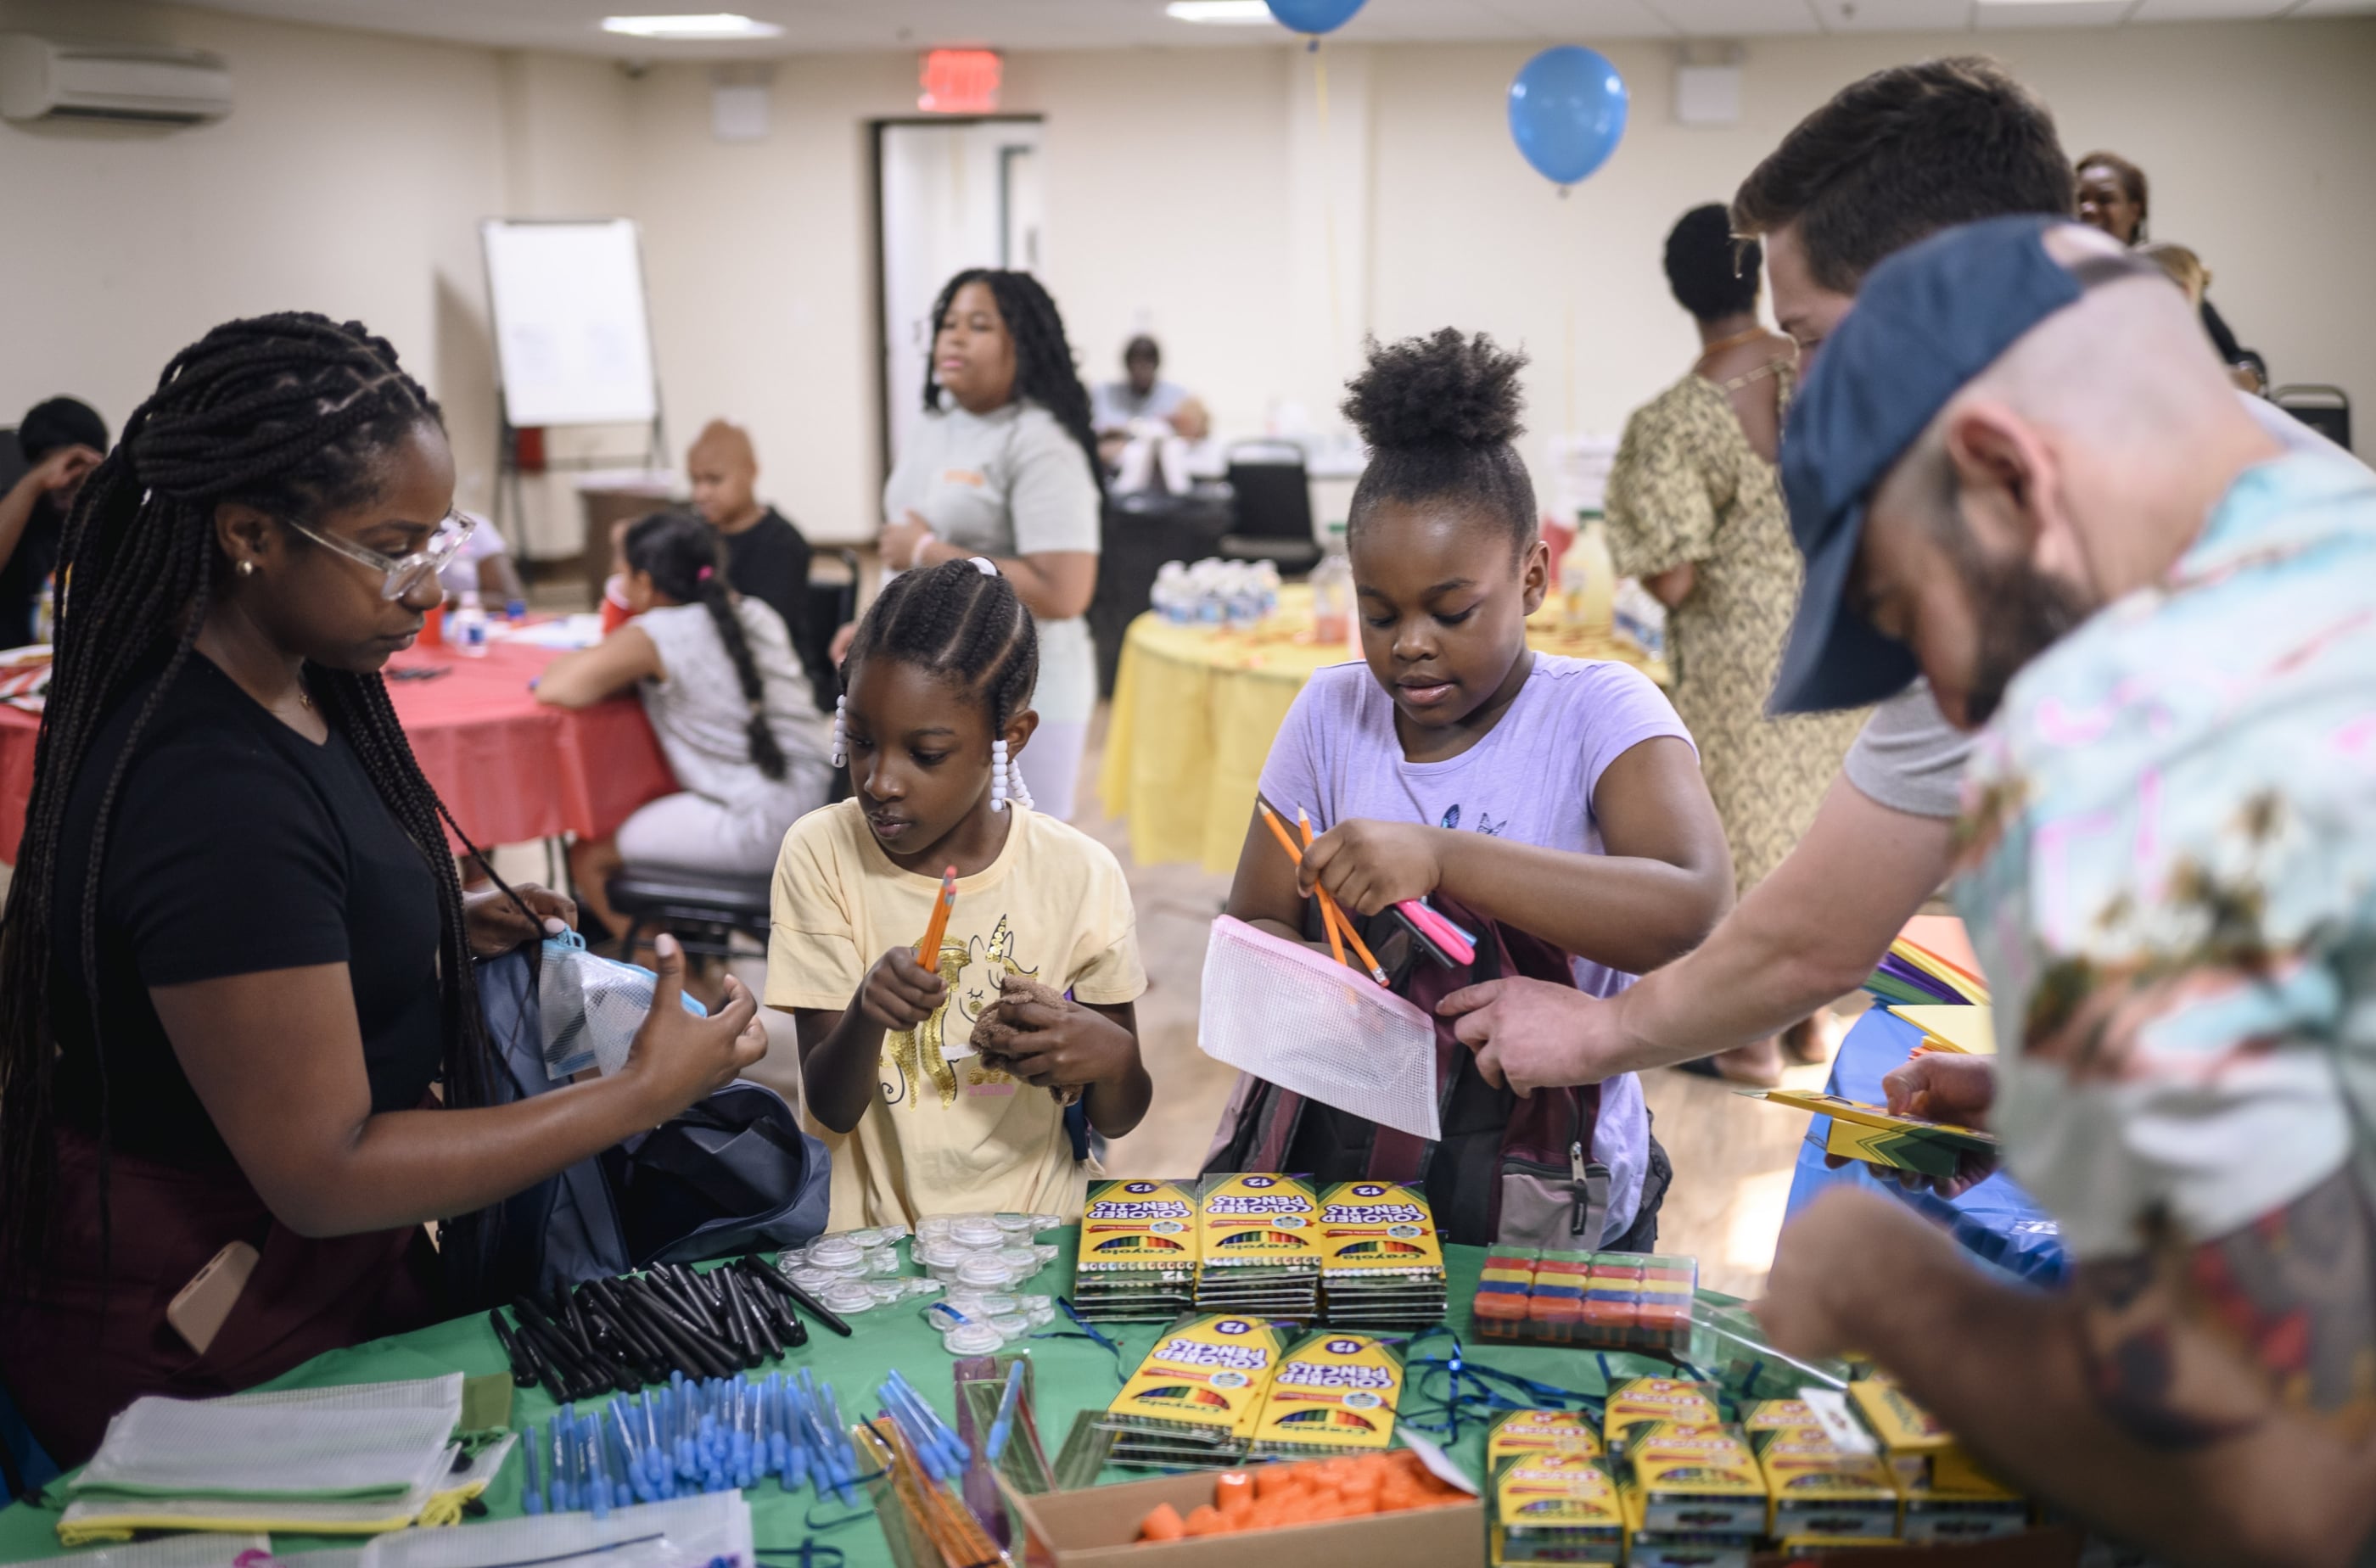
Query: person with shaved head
[2019,470]
[766,556]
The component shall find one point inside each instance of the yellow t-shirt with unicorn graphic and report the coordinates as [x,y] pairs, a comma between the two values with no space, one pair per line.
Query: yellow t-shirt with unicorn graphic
[945,1136]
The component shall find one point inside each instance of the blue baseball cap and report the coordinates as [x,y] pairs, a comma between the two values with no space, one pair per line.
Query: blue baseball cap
[1927,321]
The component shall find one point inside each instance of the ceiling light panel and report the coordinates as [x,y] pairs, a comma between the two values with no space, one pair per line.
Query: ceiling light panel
[708,27]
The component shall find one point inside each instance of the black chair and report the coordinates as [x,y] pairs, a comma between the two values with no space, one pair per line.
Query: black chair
[1138,534]
[2326,409]
[1273,508]
[702,909]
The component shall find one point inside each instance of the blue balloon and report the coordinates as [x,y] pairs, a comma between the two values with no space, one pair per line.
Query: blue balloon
[1567,112]
[1313,16]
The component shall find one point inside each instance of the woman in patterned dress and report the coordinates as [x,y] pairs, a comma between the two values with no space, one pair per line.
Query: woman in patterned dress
[1696,512]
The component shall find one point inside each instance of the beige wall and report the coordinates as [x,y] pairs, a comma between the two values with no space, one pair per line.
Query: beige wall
[349,180]
[1184,196]
[2256,138]
[1188,192]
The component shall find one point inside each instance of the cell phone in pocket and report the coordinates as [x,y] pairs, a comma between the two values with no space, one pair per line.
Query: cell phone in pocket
[198,1312]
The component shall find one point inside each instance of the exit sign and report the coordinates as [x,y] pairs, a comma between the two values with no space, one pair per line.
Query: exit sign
[959,82]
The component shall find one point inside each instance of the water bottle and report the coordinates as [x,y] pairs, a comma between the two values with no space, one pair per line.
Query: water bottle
[1266,588]
[1332,599]
[1170,598]
[515,612]
[467,629]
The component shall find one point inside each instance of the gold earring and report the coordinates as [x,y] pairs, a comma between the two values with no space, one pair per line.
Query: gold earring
[248,569]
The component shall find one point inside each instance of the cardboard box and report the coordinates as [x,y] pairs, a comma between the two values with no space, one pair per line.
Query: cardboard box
[1097,1528]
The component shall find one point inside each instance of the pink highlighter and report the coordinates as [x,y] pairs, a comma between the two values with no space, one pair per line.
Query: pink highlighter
[1438,930]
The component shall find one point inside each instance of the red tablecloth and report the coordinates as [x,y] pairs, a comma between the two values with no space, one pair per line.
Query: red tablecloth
[509,768]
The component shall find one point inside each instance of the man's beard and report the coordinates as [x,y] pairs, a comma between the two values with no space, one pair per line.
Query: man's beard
[2022,613]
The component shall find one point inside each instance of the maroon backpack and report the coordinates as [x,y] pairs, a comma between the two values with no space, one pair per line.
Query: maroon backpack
[1509,1169]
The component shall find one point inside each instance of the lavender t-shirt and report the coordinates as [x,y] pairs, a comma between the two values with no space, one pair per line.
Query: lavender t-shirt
[1531,779]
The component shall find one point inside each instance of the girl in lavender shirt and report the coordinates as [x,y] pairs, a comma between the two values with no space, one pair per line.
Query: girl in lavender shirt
[1561,797]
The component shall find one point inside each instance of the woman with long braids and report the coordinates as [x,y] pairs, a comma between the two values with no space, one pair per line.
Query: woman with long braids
[1004,465]
[236,998]
[725,692]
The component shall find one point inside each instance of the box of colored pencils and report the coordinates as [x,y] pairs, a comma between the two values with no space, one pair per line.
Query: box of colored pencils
[1138,1251]
[1381,1265]
[1259,1246]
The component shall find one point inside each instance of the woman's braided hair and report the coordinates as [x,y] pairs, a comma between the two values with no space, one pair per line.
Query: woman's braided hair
[291,414]
[962,623]
[681,555]
[1045,369]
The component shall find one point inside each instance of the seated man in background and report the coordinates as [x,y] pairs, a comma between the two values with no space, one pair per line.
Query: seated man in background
[62,441]
[767,558]
[1141,393]
[1143,421]
[2020,468]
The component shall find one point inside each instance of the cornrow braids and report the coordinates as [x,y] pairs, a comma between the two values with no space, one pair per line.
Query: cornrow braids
[680,554]
[962,623]
[1045,369]
[291,414]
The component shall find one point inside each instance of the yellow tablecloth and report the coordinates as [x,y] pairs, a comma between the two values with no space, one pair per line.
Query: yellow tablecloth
[1195,708]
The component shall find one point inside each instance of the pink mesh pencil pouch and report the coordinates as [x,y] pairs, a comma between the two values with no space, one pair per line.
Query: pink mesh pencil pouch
[1296,1018]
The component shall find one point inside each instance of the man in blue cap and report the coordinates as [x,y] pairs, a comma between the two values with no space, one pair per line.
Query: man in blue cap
[2018,470]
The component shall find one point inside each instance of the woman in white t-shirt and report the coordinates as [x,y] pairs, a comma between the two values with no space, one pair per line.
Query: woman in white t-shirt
[727,696]
[1004,465]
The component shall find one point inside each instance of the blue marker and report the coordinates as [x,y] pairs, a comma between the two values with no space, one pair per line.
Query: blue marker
[1002,1425]
[531,1490]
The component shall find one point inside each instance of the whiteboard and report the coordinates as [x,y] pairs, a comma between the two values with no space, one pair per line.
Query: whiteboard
[573,344]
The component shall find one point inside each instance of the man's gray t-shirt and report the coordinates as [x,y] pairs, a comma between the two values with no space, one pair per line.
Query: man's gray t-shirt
[1910,759]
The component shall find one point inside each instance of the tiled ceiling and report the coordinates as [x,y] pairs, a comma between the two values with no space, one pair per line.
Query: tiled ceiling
[828,25]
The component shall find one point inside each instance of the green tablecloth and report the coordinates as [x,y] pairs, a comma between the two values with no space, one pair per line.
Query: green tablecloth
[1071,1375]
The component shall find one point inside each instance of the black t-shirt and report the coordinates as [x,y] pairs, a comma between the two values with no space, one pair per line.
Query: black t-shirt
[769,562]
[35,558]
[236,846]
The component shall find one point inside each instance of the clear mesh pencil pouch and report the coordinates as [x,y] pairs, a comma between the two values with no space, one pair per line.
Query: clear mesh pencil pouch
[1296,1018]
[590,1007]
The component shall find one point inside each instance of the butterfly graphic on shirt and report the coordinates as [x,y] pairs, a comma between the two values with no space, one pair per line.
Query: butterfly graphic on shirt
[1485,823]
[972,970]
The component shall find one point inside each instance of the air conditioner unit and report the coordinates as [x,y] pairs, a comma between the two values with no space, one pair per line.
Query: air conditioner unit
[44,78]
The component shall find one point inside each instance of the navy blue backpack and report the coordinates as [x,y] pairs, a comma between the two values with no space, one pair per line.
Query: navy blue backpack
[731,1175]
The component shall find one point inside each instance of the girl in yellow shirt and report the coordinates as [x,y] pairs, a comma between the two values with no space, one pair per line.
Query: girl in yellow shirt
[941,1084]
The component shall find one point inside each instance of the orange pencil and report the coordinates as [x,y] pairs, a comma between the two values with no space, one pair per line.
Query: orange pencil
[1327,904]
[1328,915]
[927,952]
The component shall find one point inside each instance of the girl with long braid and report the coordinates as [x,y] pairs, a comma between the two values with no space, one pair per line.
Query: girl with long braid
[942,1082]
[727,696]
[1004,465]
[236,1001]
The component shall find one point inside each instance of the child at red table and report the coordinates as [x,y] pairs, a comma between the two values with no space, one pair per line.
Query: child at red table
[727,697]
[1556,797]
[932,1079]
